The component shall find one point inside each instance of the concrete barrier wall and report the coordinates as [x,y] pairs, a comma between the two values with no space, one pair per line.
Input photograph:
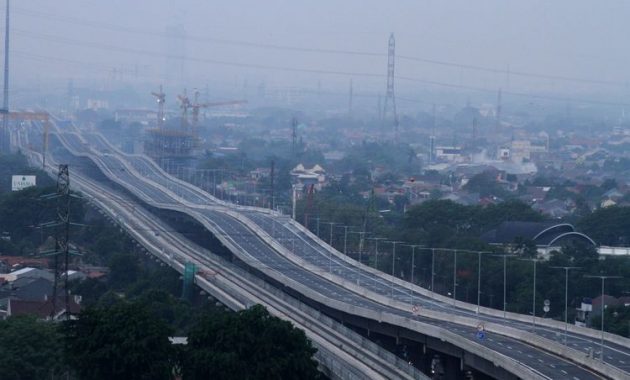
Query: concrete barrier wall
[341,370]
[331,277]
[523,336]
[511,365]
[586,332]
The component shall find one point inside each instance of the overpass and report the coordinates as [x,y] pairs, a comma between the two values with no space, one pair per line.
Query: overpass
[283,252]
[342,353]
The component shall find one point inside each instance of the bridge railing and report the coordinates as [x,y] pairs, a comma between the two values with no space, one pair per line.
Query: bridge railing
[281,249]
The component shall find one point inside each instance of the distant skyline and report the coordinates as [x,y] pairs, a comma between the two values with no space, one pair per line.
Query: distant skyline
[94,42]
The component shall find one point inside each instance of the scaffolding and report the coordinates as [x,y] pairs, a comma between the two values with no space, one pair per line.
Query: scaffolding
[169,143]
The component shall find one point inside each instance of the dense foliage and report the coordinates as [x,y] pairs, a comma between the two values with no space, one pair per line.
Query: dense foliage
[30,349]
[250,344]
[122,341]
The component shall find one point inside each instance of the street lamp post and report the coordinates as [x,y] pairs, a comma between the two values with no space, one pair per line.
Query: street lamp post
[454,276]
[601,343]
[413,258]
[478,280]
[345,239]
[361,239]
[566,299]
[534,260]
[331,232]
[315,218]
[413,265]
[376,240]
[432,271]
[393,243]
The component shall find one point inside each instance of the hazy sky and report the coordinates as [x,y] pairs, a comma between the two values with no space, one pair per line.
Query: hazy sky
[86,39]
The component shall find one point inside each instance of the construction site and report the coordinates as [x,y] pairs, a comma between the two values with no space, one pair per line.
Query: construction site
[179,143]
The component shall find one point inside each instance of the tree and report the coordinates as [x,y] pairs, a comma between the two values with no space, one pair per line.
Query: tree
[124,270]
[486,184]
[608,226]
[29,349]
[123,341]
[250,344]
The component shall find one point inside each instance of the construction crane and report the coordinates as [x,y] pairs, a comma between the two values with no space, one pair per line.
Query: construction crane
[184,105]
[161,99]
[196,107]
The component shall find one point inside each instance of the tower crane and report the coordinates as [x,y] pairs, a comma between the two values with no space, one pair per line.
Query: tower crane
[196,107]
[161,99]
[184,105]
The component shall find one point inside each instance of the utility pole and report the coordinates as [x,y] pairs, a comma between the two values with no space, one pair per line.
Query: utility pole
[432,137]
[294,124]
[350,100]
[499,109]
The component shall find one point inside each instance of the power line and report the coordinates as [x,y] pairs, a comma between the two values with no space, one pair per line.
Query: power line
[118,28]
[444,63]
[510,72]
[108,47]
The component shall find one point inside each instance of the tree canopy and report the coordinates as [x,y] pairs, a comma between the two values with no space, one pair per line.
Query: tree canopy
[29,349]
[250,344]
[124,341]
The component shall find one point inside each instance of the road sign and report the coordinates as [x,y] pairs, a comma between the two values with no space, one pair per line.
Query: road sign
[481,335]
[547,303]
[19,182]
[415,309]
[481,327]
[546,309]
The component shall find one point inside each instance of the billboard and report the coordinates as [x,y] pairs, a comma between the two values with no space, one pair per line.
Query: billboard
[19,182]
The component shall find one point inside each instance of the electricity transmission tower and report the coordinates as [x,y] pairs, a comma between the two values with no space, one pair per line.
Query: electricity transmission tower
[390,96]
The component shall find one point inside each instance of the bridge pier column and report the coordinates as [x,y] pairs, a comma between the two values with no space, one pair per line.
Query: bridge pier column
[452,367]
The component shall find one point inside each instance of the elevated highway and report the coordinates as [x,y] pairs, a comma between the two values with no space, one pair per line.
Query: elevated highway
[342,353]
[286,252]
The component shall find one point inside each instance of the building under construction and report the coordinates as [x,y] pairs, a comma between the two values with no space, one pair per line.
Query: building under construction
[162,143]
